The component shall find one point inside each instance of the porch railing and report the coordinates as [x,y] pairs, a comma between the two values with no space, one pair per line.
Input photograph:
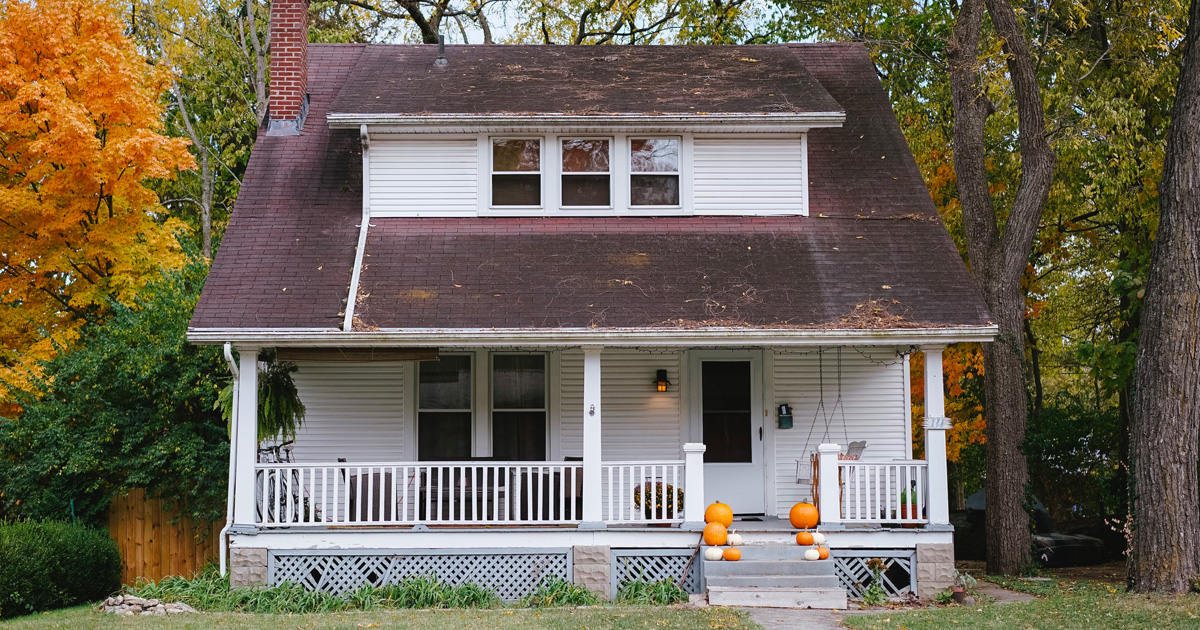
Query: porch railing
[639,492]
[884,492]
[462,493]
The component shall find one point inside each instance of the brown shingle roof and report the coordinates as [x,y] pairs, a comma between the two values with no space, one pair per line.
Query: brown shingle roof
[873,234]
[402,79]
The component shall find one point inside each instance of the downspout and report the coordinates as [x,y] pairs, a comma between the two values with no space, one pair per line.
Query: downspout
[233,426]
[352,298]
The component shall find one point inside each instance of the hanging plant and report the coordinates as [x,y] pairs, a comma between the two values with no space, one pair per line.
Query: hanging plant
[280,410]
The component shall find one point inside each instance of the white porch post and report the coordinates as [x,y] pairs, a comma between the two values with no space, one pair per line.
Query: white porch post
[592,451]
[936,424]
[245,443]
[693,473]
[830,489]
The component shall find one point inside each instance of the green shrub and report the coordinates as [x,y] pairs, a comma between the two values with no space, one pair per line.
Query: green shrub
[46,565]
[208,591]
[642,593]
[559,592]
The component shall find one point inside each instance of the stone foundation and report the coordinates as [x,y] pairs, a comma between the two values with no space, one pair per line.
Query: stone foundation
[593,568]
[935,568]
[247,567]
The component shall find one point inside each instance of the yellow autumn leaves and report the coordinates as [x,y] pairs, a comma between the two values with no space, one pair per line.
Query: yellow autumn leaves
[80,136]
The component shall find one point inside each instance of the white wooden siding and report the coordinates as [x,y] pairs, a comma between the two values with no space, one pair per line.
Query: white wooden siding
[638,422]
[426,177]
[873,399]
[354,410]
[748,176]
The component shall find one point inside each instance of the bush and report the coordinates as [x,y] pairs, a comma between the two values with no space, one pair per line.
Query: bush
[210,592]
[559,592]
[642,593]
[46,565]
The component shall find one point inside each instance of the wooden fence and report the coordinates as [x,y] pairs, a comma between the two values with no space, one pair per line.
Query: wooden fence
[151,546]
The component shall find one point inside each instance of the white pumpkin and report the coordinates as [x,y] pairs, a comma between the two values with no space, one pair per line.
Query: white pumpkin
[713,553]
[734,539]
[812,554]
[818,538]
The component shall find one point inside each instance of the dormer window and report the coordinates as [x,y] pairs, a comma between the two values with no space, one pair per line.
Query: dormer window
[586,177]
[653,172]
[517,172]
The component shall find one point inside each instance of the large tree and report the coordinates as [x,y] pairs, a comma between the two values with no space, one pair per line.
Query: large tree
[999,242]
[80,122]
[1166,426]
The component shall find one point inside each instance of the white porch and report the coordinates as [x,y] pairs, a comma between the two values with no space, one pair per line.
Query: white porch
[604,461]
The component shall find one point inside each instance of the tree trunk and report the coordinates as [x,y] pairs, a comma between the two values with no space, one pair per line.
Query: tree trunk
[998,259]
[1166,422]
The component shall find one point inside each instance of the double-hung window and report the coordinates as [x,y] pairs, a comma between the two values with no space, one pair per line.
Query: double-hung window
[586,177]
[517,172]
[653,172]
[444,412]
[519,407]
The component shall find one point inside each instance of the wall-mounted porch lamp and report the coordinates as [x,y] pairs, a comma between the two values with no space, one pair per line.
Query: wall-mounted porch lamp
[660,380]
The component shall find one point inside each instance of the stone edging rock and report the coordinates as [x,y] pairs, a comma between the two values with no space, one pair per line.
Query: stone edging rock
[130,605]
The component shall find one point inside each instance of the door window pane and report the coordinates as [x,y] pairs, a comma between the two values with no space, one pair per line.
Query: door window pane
[585,173]
[654,172]
[443,435]
[519,436]
[725,394]
[516,172]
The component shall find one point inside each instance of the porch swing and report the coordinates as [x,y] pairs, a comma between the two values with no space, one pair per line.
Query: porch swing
[854,450]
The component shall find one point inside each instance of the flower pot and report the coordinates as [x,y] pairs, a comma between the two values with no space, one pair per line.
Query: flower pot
[904,508]
[958,594]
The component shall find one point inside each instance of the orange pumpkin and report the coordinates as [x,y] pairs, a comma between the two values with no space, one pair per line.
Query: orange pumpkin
[824,551]
[804,539]
[803,516]
[719,513]
[715,534]
[732,554]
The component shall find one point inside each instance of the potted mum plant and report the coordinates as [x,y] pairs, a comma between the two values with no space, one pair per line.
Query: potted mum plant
[960,584]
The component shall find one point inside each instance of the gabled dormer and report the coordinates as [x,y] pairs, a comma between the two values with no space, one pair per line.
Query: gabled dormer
[577,131]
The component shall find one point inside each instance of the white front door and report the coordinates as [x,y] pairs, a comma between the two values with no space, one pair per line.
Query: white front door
[728,417]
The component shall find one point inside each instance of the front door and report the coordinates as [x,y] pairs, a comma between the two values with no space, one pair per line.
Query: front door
[729,421]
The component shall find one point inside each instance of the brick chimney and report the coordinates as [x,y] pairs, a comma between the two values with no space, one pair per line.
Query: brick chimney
[288,99]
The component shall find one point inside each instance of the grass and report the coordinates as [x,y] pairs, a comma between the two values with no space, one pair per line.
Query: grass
[1065,605]
[642,593]
[609,617]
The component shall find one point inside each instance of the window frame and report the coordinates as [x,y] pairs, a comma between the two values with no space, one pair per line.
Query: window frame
[612,161]
[492,172]
[629,172]
[472,411]
[491,402]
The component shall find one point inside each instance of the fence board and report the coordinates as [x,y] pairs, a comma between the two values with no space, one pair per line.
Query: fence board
[151,546]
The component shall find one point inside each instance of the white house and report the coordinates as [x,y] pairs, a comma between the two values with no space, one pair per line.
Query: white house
[527,285]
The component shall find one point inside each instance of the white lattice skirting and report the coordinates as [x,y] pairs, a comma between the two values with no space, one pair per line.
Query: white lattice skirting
[854,574]
[654,565]
[509,575]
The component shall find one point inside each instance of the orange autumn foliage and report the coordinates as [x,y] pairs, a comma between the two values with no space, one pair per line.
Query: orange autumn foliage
[962,367]
[80,135]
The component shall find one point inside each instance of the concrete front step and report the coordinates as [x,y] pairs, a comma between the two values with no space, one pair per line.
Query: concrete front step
[773,552]
[784,597]
[774,581]
[768,567]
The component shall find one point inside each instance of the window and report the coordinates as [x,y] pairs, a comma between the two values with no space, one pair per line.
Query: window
[585,173]
[519,407]
[444,414]
[516,172]
[654,171]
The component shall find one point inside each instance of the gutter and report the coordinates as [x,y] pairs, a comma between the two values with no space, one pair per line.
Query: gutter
[660,337]
[222,539]
[806,119]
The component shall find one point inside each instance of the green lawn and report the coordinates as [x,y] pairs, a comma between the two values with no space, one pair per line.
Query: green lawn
[1067,606]
[617,618]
